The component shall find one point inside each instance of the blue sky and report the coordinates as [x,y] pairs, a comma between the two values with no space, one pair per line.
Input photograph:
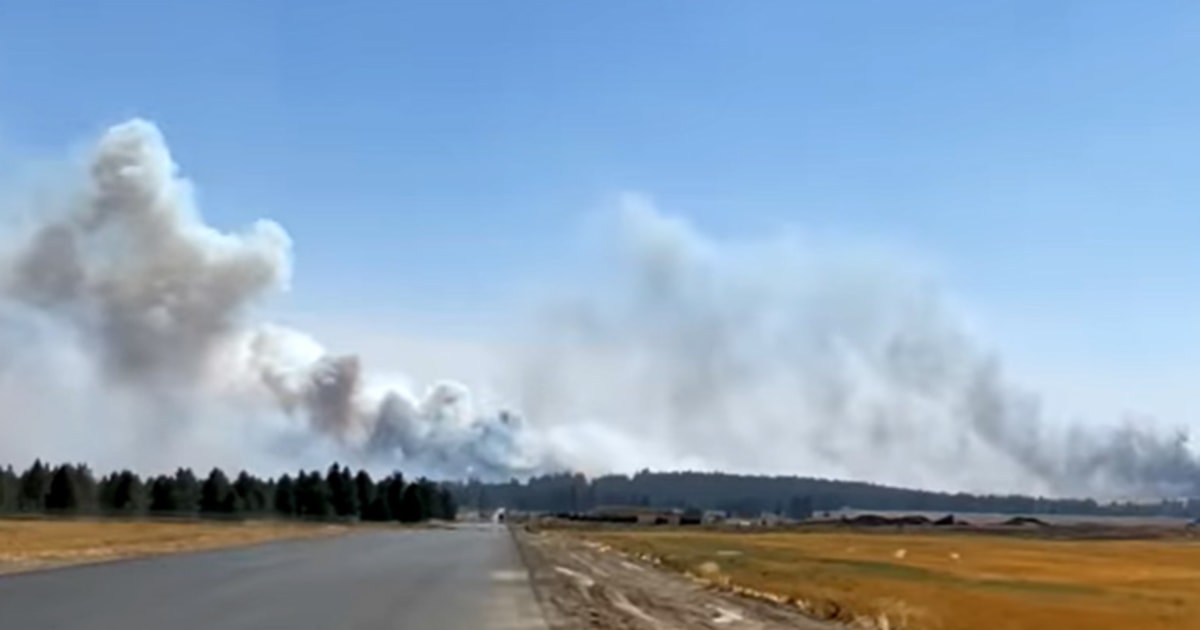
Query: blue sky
[429,158]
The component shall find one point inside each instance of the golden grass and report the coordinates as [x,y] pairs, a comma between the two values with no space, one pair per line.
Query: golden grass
[36,543]
[947,581]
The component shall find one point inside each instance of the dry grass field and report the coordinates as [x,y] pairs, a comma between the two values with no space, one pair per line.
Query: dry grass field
[37,543]
[945,581]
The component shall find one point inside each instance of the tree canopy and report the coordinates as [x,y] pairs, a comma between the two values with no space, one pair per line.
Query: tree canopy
[752,495]
[337,494]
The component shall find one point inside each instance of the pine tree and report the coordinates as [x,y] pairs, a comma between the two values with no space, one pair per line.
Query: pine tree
[428,493]
[216,495]
[377,509]
[350,505]
[127,493]
[85,487]
[34,483]
[62,495]
[412,504]
[104,492]
[285,497]
[312,495]
[339,491]
[365,492]
[187,490]
[447,506]
[251,495]
[164,496]
[303,491]
[395,497]
[9,489]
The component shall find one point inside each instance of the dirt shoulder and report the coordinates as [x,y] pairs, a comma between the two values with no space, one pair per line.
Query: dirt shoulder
[31,544]
[585,585]
[947,580]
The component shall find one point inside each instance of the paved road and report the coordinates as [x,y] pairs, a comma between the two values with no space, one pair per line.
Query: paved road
[380,580]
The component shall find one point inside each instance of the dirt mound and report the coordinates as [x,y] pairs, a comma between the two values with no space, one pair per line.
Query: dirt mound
[1025,521]
[876,520]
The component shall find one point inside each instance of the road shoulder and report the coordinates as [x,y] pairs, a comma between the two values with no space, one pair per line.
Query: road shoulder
[584,585]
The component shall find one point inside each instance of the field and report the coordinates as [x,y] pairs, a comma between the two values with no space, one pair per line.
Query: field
[38,543]
[943,581]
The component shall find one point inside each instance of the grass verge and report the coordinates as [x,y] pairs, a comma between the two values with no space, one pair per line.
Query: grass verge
[34,543]
[944,581]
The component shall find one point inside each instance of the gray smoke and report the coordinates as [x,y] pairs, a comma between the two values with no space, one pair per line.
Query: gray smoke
[155,304]
[785,355]
[150,289]
[126,327]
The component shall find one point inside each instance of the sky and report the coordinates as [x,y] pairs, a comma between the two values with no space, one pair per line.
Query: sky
[435,162]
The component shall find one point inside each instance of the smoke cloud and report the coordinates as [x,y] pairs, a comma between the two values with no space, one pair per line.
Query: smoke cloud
[127,328]
[153,305]
[784,354]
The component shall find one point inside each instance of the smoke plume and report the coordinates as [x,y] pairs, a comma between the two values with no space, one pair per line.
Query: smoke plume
[784,354]
[155,305]
[127,326]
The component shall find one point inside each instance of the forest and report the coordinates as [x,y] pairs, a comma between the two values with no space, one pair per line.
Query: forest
[342,494]
[796,497]
[336,494]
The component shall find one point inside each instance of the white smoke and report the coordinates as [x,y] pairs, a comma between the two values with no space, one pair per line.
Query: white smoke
[149,308]
[782,355]
[127,334]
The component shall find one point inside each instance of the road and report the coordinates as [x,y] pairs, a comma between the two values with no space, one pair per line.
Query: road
[465,578]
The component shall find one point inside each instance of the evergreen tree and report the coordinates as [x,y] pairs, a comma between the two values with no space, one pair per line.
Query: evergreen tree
[413,507]
[85,487]
[285,497]
[34,483]
[251,493]
[104,492]
[261,494]
[216,495]
[312,495]
[164,495]
[63,495]
[377,509]
[447,505]
[350,505]
[395,497]
[10,486]
[342,493]
[187,490]
[243,489]
[303,490]
[365,492]
[127,492]
[428,493]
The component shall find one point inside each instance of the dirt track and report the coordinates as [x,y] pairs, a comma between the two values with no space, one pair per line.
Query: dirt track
[584,585]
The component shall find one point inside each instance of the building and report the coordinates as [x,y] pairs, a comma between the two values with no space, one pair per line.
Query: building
[636,514]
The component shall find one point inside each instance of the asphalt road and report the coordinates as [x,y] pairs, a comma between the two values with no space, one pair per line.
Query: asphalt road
[468,578]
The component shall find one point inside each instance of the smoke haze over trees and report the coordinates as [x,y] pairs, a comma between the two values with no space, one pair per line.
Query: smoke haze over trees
[797,497]
[336,494]
[127,324]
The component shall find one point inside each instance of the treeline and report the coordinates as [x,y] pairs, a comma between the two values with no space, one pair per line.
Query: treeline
[798,497]
[339,494]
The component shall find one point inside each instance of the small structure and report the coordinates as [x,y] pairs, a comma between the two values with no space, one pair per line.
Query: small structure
[769,519]
[640,515]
